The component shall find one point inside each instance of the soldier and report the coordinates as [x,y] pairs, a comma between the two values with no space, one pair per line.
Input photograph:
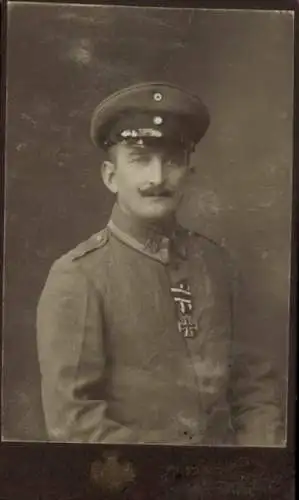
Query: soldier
[137,327]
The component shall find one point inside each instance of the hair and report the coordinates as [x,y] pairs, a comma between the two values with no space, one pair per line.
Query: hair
[110,153]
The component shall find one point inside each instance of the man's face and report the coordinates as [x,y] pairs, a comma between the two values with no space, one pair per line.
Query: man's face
[148,180]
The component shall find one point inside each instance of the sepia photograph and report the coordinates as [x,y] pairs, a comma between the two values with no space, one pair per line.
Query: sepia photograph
[148,222]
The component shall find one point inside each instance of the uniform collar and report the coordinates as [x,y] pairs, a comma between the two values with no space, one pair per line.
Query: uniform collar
[161,242]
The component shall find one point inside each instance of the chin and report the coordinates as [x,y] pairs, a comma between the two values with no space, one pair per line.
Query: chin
[158,212]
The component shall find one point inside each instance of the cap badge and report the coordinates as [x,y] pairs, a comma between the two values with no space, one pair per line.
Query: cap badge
[158,120]
[129,133]
[158,96]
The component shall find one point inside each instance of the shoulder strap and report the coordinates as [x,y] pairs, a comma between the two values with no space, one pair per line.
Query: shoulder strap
[93,243]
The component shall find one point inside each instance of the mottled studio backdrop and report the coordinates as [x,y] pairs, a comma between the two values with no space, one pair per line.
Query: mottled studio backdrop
[62,60]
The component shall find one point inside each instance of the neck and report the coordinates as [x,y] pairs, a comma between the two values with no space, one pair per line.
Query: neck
[142,229]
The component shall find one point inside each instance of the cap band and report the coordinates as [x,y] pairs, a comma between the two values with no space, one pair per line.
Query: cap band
[148,124]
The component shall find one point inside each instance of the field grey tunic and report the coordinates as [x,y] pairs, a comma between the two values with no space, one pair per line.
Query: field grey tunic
[115,366]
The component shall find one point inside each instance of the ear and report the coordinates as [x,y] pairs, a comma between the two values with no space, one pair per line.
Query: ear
[108,170]
[191,167]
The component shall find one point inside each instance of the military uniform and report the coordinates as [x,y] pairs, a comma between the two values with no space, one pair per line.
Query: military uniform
[137,341]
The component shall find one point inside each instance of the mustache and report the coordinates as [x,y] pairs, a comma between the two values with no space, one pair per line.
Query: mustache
[157,191]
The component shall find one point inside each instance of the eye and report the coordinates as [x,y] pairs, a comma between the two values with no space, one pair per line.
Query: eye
[178,158]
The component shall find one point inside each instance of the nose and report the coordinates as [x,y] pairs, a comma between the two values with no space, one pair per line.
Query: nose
[156,171]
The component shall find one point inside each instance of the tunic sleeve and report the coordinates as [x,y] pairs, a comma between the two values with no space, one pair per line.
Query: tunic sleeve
[71,352]
[256,405]
[255,387]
